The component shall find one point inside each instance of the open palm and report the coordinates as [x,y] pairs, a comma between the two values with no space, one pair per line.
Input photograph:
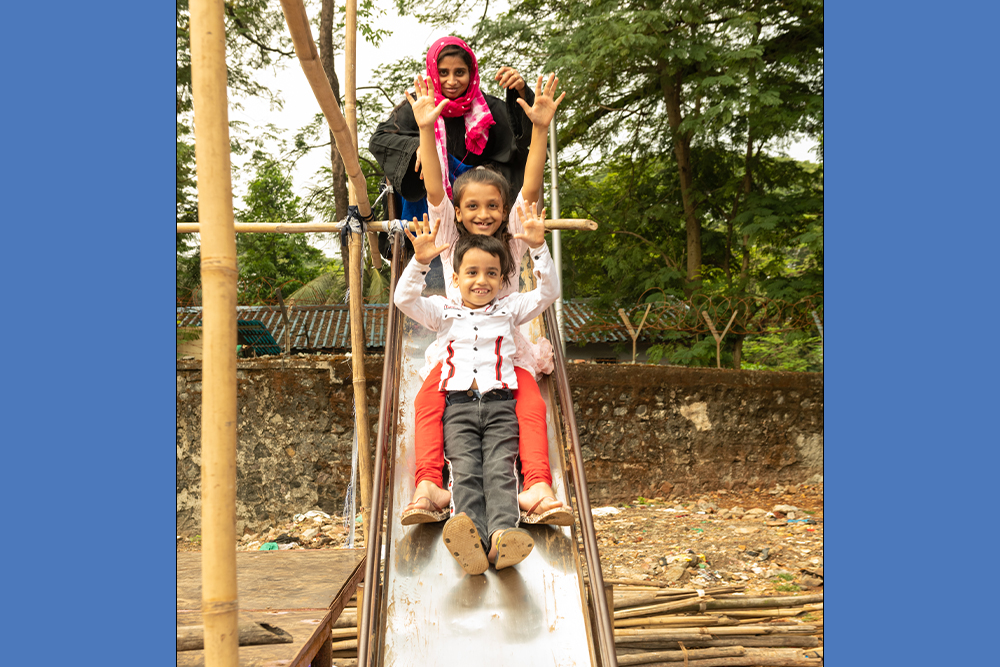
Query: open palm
[425,113]
[544,109]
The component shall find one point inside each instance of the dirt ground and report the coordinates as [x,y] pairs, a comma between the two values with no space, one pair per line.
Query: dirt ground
[768,540]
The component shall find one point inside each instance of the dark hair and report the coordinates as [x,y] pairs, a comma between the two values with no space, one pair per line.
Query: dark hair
[455,50]
[488,176]
[488,244]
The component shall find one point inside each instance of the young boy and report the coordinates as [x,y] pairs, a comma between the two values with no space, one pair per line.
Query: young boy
[477,377]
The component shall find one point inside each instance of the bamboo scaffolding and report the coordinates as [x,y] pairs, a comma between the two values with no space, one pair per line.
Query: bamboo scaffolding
[219,604]
[308,55]
[571,224]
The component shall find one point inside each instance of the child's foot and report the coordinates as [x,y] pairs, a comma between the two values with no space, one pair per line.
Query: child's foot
[510,547]
[429,505]
[539,505]
[462,540]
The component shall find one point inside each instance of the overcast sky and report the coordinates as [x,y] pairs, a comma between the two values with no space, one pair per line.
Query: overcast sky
[408,38]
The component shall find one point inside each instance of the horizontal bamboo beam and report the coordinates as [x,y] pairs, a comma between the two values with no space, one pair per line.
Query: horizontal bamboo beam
[570,224]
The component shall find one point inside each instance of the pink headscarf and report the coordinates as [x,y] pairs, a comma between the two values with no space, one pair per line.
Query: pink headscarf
[472,105]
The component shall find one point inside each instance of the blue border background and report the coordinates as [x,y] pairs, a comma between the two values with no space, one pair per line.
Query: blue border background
[910,302]
[89,559]
[911,368]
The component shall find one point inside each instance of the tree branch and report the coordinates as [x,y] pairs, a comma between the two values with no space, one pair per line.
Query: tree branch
[670,264]
[245,32]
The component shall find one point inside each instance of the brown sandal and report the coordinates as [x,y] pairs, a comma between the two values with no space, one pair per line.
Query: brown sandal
[462,539]
[511,547]
[558,516]
[412,514]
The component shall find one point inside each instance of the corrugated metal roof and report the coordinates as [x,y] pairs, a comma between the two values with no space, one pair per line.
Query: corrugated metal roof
[328,327]
[255,338]
[582,325]
[311,327]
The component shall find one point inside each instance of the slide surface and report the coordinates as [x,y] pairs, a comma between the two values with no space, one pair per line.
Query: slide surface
[526,615]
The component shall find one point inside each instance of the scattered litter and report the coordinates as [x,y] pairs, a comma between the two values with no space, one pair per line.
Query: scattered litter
[269,546]
[605,511]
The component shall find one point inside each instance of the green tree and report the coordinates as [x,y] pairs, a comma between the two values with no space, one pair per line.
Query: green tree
[269,261]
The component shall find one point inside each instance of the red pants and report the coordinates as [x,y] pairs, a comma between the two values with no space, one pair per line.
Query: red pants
[534,439]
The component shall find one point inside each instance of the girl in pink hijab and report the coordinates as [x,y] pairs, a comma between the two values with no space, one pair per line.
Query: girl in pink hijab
[475,128]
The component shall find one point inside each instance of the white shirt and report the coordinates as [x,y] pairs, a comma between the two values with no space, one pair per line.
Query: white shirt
[478,343]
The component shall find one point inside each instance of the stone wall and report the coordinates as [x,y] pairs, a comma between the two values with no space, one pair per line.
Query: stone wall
[644,430]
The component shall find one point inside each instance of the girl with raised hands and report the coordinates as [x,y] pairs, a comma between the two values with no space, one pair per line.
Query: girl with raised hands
[481,202]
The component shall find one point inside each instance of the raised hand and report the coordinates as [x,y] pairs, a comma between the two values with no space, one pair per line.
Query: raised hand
[424,111]
[534,226]
[544,109]
[422,239]
[510,78]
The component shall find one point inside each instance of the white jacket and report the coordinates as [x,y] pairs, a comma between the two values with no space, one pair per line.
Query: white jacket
[478,344]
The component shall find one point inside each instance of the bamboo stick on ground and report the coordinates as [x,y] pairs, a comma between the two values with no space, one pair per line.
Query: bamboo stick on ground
[678,656]
[728,603]
[748,660]
[569,224]
[676,621]
[219,606]
[758,641]
[675,606]
[714,631]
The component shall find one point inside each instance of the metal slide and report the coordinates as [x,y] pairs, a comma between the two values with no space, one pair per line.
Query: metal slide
[424,610]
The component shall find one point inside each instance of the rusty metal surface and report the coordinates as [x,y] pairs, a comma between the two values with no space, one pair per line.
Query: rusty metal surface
[531,614]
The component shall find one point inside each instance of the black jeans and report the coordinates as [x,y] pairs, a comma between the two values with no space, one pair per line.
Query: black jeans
[481,444]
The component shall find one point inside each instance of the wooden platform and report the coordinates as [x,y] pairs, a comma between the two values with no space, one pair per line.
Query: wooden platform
[301,592]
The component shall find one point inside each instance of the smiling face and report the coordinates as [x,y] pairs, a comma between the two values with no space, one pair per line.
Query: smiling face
[454,75]
[480,209]
[478,278]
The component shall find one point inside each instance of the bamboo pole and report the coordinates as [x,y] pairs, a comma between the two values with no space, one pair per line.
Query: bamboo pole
[571,224]
[360,384]
[752,657]
[678,656]
[666,634]
[747,641]
[351,105]
[308,55]
[219,604]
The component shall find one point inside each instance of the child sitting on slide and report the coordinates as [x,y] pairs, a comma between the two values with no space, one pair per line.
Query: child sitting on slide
[482,205]
[478,382]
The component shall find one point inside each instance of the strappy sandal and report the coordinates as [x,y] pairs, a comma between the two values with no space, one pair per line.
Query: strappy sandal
[511,547]
[462,539]
[412,514]
[558,516]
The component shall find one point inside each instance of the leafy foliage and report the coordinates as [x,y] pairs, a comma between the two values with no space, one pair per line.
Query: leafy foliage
[269,261]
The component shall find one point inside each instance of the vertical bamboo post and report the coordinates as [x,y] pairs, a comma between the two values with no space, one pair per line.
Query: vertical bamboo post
[357,303]
[351,104]
[219,604]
